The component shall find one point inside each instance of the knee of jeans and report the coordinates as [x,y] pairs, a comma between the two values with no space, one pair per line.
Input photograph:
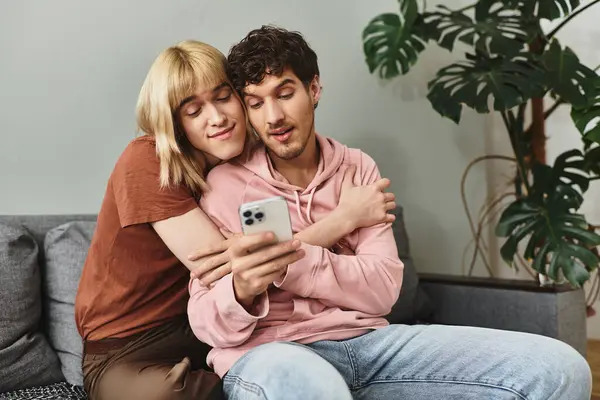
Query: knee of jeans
[565,367]
[279,369]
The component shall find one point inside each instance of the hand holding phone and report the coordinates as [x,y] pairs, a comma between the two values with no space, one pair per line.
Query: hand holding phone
[256,266]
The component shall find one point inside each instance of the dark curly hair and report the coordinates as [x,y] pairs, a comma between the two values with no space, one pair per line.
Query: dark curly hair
[270,49]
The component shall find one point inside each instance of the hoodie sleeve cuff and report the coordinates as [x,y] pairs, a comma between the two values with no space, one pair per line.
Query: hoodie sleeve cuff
[300,276]
[230,309]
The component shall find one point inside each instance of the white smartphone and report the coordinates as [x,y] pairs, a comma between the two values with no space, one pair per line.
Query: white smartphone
[267,215]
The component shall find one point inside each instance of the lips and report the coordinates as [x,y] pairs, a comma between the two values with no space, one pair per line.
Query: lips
[223,135]
[282,134]
[280,131]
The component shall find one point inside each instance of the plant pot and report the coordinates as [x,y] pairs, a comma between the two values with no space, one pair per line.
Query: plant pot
[557,311]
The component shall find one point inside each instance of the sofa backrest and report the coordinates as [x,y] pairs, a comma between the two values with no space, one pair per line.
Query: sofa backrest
[39,225]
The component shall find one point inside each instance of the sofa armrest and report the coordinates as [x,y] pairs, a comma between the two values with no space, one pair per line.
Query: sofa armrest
[524,306]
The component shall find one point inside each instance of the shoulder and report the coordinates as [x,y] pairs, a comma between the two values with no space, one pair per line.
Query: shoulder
[366,166]
[224,174]
[139,150]
[139,155]
[359,158]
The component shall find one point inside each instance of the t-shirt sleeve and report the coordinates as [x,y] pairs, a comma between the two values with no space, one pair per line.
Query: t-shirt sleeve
[136,186]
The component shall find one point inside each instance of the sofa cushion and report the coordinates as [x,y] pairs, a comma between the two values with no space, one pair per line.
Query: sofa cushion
[26,358]
[413,304]
[66,248]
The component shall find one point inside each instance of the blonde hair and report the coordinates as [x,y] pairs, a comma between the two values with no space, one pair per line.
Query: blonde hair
[174,76]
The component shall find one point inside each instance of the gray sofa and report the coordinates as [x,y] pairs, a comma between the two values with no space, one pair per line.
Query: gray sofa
[40,264]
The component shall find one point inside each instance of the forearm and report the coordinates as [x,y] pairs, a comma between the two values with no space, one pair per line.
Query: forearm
[216,317]
[367,282]
[327,231]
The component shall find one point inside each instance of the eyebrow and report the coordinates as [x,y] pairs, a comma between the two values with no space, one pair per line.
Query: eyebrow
[194,97]
[279,86]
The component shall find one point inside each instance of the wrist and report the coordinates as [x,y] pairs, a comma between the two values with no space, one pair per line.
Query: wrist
[346,221]
[244,299]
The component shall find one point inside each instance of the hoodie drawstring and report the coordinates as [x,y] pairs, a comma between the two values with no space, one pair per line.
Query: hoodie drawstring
[308,220]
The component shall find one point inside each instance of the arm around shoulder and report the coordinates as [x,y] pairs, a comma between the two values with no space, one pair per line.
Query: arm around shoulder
[369,281]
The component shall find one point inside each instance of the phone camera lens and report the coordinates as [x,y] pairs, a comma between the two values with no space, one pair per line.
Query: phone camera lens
[247,214]
[259,215]
[249,221]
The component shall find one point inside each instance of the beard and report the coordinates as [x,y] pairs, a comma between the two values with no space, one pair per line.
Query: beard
[288,152]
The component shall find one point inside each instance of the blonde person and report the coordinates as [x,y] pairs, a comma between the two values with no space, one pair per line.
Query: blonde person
[132,298]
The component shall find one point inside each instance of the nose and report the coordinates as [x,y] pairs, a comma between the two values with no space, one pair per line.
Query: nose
[274,113]
[216,116]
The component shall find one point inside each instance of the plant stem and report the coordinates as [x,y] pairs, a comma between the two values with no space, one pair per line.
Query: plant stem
[569,18]
[514,140]
[554,107]
[538,130]
[465,202]
[594,178]
[467,8]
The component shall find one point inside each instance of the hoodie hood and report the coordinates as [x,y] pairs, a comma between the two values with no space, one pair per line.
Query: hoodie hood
[331,158]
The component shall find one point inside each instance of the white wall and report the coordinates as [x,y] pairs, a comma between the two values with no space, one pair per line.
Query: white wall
[71,71]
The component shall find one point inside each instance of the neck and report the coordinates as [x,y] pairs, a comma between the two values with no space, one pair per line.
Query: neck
[301,170]
[210,160]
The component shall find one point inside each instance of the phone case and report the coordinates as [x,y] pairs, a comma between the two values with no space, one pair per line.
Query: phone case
[268,215]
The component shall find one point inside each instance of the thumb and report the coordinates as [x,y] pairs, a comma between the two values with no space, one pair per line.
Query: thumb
[349,177]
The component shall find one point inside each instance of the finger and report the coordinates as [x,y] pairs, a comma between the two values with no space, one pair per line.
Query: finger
[344,250]
[347,182]
[209,265]
[280,264]
[214,248]
[275,266]
[244,244]
[382,184]
[264,256]
[390,218]
[226,233]
[216,274]
[390,205]
[387,197]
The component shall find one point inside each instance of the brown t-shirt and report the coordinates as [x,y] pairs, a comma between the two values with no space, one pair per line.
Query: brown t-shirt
[131,281]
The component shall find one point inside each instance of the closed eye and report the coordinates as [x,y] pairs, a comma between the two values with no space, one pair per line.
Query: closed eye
[256,105]
[224,98]
[194,113]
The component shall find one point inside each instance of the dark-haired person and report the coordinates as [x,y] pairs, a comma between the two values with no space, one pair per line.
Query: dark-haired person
[317,331]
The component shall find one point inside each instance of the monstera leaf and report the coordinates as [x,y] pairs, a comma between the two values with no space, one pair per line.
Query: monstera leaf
[546,9]
[392,42]
[592,161]
[587,117]
[559,240]
[510,82]
[567,77]
[499,32]
[569,168]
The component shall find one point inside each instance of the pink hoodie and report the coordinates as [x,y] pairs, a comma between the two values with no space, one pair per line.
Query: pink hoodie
[324,296]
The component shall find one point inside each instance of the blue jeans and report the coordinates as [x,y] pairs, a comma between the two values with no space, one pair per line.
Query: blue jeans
[414,362]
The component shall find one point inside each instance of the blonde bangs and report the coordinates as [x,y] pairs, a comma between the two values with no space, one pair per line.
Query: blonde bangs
[175,75]
[196,65]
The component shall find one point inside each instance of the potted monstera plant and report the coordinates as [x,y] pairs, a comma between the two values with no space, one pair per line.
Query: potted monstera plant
[512,67]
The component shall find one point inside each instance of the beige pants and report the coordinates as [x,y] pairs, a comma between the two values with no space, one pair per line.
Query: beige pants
[166,362]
